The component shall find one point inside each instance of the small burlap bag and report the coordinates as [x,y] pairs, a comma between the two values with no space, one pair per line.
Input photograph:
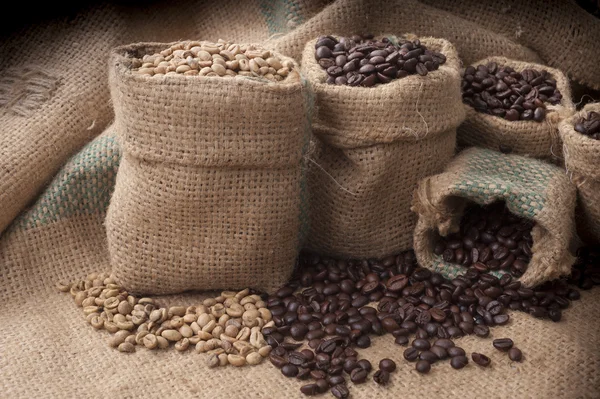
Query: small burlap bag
[208,193]
[371,147]
[531,189]
[536,139]
[563,34]
[582,161]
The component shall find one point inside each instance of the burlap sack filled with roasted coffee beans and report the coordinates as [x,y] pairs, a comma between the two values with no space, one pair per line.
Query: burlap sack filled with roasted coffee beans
[531,189]
[582,161]
[371,146]
[504,114]
[208,193]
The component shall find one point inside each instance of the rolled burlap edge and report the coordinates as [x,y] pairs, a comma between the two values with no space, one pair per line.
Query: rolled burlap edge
[536,139]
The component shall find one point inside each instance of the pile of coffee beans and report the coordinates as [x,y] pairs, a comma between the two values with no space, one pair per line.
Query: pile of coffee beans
[335,306]
[512,95]
[364,61]
[590,125]
[490,238]
[228,327]
[586,271]
[214,59]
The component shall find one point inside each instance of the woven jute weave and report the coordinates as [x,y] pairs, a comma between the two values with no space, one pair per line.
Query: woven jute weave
[371,147]
[582,160]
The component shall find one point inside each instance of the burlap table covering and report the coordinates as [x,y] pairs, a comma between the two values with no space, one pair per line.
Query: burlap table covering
[48,350]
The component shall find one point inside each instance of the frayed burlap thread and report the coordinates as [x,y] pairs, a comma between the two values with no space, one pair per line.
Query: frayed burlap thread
[535,139]
[582,162]
[372,145]
[531,189]
[209,188]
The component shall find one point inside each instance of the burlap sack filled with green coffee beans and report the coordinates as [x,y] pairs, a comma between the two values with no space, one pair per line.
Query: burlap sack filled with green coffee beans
[531,188]
[208,193]
[582,162]
[523,137]
[371,146]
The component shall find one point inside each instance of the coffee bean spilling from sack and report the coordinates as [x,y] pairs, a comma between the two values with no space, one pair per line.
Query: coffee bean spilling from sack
[586,270]
[214,59]
[329,305]
[490,238]
[512,95]
[227,327]
[590,125]
[363,61]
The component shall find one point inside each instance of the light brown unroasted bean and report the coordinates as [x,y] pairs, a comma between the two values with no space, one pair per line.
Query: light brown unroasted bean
[118,338]
[171,335]
[150,341]
[213,360]
[223,360]
[131,339]
[182,345]
[124,307]
[236,360]
[111,327]
[186,331]
[126,347]
[190,318]
[204,319]
[97,322]
[163,343]
[265,350]
[63,286]
[253,358]
[177,311]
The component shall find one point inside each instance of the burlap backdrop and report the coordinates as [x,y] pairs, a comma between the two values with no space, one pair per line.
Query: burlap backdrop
[531,138]
[531,189]
[371,146]
[208,193]
[582,161]
[46,347]
[563,34]
[49,350]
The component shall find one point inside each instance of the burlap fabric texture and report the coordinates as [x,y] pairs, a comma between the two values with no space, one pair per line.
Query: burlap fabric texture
[531,138]
[582,161]
[563,34]
[208,194]
[371,146]
[531,189]
[49,350]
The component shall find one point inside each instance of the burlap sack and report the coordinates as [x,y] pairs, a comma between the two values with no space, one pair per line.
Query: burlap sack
[531,138]
[209,189]
[582,161]
[348,17]
[564,35]
[371,147]
[531,189]
[49,350]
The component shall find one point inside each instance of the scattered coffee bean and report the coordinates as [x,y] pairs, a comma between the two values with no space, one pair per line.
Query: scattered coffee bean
[515,354]
[411,354]
[586,271]
[381,377]
[509,94]
[423,366]
[589,125]
[363,61]
[481,359]
[458,362]
[387,364]
[455,351]
[503,344]
[358,375]
[340,391]
[310,389]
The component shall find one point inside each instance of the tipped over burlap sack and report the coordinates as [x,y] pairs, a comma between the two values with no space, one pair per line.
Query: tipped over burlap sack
[208,193]
[531,188]
[563,34]
[582,161]
[371,146]
[535,139]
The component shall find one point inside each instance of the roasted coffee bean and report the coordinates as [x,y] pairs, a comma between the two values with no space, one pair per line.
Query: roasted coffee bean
[310,389]
[358,375]
[375,61]
[381,377]
[458,362]
[387,364]
[440,352]
[289,370]
[481,359]
[423,366]
[515,354]
[340,391]
[456,351]
[421,344]
[429,356]
[411,354]
[526,103]
[482,331]
[589,125]
[365,365]
[503,344]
